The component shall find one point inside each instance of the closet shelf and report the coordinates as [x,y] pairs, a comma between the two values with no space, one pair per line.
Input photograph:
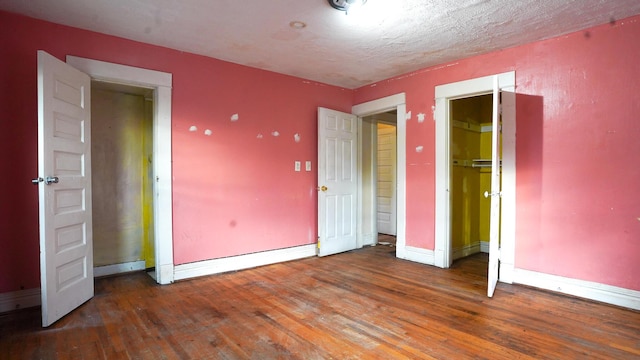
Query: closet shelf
[475,163]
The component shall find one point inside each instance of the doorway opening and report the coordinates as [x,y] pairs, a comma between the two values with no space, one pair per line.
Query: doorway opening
[379,164]
[389,111]
[353,178]
[503,204]
[122,178]
[156,85]
[470,120]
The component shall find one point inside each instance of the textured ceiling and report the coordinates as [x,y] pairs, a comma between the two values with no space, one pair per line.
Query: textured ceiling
[386,38]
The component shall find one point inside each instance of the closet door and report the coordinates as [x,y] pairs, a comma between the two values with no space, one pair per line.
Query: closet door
[496,195]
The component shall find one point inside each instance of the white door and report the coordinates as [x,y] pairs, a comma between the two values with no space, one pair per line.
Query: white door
[496,195]
[386,190]
[64,180]
[337,181]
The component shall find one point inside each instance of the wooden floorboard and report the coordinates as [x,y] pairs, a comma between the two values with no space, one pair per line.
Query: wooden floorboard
[364,304]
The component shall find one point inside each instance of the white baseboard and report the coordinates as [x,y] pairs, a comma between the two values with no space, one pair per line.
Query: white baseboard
[10,301]
[586,289]
[118,268]
[232,263]
[480,246]
[420,255]
[465,251]
[20,299]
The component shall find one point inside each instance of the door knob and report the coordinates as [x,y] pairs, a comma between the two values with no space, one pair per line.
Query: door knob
[487,194]
[323,188]
[36,181]
[51,180]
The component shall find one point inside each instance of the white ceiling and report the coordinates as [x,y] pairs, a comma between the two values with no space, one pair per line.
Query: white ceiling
[387,38]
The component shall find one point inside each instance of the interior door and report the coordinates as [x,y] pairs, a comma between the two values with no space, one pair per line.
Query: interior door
[337,181]
[64,180]
[496,195]
[386,191]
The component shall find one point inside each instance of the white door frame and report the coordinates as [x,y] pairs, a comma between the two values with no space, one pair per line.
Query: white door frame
[462,89]
[393,102]
[161,84]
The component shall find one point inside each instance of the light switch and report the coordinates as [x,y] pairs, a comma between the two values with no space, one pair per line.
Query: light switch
[297,165]
[307,165]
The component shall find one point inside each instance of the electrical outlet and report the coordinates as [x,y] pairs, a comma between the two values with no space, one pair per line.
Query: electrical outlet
[296,166]
[307,165]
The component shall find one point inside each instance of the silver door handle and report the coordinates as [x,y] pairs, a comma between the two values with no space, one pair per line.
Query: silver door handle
[51,180]
[487,194]
[36,181]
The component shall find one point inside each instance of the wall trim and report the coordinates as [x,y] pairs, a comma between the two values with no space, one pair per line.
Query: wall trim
[240,262]
[391,102]
[419,255]
[585,289]
[161,83]
[118,268]
[20,299]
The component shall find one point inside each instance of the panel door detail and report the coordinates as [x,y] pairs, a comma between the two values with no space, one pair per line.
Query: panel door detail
[64,161]
[337,181]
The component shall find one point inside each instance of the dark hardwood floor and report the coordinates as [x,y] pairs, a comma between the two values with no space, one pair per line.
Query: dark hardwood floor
[364,304]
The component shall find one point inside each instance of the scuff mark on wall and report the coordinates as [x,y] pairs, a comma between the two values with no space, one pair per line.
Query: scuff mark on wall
[421,117]
[260,136]
[235,117]
[275,133]
[408,115]
[296,137]
[419,148]
[193,128]
[208,132]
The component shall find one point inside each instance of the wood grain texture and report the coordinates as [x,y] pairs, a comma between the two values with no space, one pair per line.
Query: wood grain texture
[364,304]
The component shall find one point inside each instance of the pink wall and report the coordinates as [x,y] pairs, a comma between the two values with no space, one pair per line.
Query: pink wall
[578,149]
[233,193]
[577,113]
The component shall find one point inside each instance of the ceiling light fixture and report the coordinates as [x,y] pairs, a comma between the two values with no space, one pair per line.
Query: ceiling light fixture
[346,5]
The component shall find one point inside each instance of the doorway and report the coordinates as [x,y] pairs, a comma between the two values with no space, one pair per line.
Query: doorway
[159,83]
[122,178]
[504,234]
[379,164]
[470,149]
[390,110]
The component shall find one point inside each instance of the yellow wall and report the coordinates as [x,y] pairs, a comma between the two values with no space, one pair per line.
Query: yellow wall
[120,177]
[485,185]
[148,250]
[469,208]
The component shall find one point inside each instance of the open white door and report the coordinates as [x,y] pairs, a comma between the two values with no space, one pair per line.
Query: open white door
[337,181]
[496,195]
[64,180]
